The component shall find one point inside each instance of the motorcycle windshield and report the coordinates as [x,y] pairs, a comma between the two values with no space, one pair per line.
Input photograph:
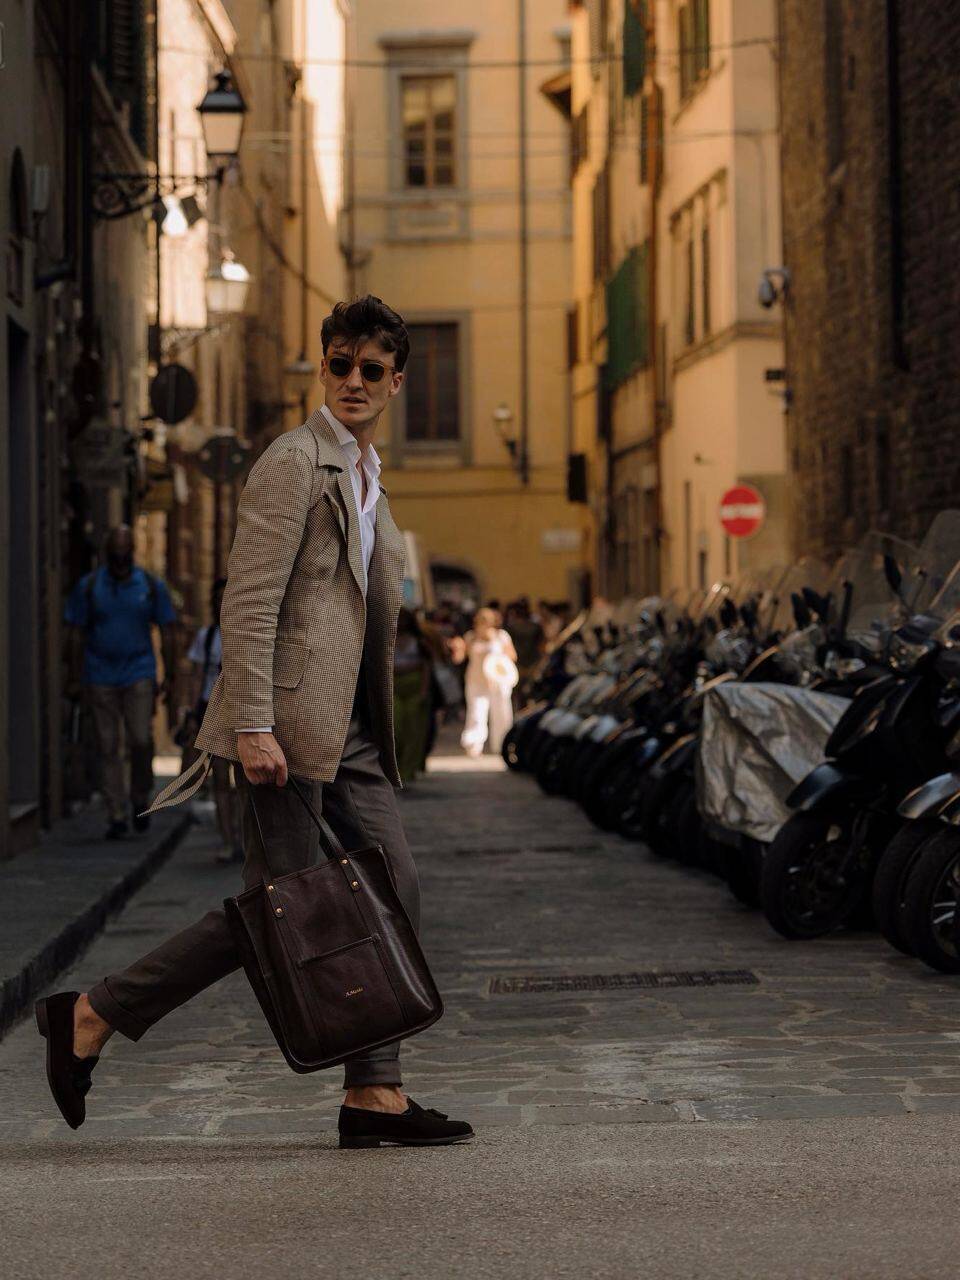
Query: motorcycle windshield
[874,605]
[940,594]
[924,574]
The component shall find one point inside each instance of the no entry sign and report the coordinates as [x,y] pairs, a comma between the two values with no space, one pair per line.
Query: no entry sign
[742,511]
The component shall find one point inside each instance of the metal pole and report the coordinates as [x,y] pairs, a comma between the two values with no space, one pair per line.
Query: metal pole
[524,246]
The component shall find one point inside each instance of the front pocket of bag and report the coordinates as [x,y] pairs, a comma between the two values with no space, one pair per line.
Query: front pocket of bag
[353,996]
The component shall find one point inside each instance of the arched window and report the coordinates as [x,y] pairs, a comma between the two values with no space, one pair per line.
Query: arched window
[17,231]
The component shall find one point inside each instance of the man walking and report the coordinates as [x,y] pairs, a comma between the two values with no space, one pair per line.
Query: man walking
[110,613]
[308,626]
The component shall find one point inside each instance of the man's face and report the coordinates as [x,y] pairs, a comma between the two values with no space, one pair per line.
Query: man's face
[119,555]
[354,399]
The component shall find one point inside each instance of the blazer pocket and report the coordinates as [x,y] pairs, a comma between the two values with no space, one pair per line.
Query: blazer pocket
[289,663]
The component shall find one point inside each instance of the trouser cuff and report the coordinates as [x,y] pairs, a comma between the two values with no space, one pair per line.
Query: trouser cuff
[357,1075]
[122,1020]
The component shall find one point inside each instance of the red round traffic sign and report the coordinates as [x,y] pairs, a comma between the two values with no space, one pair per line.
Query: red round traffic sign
[742,511]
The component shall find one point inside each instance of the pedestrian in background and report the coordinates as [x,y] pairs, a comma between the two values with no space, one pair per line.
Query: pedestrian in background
[206,654]
[111,612]
[413,709]
[490,680]
[527,636]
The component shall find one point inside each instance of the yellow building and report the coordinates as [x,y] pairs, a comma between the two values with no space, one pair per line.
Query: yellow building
[676,219]
[457,213]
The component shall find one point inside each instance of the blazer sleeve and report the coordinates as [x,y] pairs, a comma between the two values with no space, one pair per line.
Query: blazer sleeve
[271,518]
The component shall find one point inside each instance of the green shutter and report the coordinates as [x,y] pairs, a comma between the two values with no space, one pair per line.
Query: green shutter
[628,317]
[634,49]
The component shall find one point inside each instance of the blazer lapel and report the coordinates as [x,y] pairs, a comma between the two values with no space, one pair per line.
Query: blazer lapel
[354,548]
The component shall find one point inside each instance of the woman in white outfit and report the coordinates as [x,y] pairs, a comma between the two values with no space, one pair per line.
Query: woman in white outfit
[491,676]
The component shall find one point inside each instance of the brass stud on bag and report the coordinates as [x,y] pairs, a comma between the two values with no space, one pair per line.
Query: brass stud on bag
[270,887]
[354,884]
[279,911]
[344,862]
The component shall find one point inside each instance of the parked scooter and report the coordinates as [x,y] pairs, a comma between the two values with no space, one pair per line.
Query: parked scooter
[818,873]
[917,884]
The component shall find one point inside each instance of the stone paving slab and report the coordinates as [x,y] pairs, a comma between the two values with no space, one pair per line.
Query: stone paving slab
[55,899]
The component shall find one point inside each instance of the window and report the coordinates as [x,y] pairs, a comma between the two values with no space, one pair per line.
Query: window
[685,50]
[701,37]
[689,330]
[651,136]
[705,280]
[693,44]
[429,130]
[433,385]
[601,224]
[573,334]
[634,47]
[628,316]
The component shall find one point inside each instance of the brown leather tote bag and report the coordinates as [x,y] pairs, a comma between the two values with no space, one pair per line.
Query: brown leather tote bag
[332,956]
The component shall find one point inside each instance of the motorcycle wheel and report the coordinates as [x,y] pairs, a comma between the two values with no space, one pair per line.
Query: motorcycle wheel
[632,806]
[661,816]
[551,767]
[893,873]
[932,901]
[510,749]
[803,892]
[683,827]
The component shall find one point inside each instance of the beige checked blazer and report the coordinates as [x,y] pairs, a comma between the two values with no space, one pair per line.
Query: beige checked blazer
[295,625]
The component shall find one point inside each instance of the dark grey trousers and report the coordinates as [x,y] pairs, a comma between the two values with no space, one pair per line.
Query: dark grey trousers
[361,806]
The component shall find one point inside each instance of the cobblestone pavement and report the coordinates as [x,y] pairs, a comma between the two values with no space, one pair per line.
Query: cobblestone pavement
[800,1125]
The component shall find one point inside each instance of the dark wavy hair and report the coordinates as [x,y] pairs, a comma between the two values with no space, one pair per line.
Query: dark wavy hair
[367,318]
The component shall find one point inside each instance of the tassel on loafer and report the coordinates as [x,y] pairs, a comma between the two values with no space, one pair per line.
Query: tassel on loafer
[67,1075]
[415,1127]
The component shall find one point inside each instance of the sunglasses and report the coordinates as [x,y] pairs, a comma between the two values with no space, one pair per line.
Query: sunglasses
[370,370]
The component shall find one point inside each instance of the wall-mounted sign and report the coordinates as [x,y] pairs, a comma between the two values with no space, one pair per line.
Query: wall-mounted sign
[742,511]
[560,540]
[173,393]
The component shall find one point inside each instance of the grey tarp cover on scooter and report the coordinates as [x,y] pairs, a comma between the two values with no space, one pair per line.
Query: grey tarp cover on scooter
[756,743]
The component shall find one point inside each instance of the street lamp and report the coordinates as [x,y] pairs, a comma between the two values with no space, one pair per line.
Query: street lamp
[227,286]
[117,195]
[221,118]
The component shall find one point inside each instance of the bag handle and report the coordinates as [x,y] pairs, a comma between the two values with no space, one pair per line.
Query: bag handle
[329,843]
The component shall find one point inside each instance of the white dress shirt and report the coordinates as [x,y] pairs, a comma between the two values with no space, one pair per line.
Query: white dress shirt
[366,511]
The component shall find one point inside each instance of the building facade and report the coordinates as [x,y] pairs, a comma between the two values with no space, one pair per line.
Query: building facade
[458,214]
[77,91]
[871,157]
[676,216]
[718,232]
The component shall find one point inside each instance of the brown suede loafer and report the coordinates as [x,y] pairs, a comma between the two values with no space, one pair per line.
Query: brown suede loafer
[415,1127]
[67,1075]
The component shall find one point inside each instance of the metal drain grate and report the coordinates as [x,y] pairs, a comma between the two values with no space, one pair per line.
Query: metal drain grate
[623,981]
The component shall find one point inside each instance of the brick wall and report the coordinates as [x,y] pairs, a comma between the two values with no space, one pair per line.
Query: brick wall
[872,324]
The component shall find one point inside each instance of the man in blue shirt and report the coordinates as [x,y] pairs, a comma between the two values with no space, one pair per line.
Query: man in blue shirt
[110,613]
